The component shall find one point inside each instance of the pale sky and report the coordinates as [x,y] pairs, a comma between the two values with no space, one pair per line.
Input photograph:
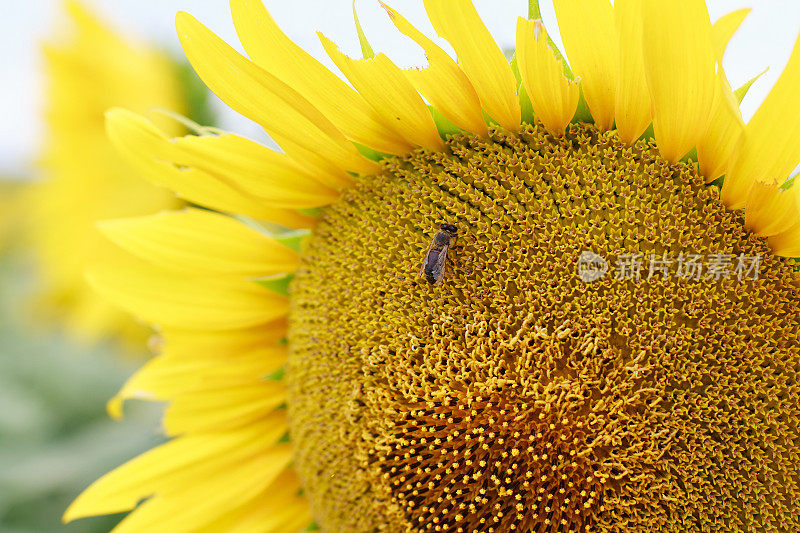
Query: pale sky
[765,40]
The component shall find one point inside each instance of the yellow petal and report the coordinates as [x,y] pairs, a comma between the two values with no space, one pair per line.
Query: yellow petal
[313,162]
[209,497]
[725,128]
[137,140]
[223,407]
[172,467]
[282,508]
[89,27]
[770,210]
[391,95]
[192,343]
[554,97]
[252,168]
[160,379]
[211,370]
[443,83]
[679,61]
[633,110]
[479,56]
[182,301]
[590,40]
[770,147]
[715,148]
[252,91]
[787,243]
[201,242]
[166,376]
[273,51]
[725,27]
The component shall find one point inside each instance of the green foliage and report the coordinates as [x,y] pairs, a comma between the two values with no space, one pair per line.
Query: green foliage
[56,437]
[195,94]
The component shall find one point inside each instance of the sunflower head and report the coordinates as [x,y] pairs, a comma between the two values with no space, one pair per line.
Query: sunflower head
[317,379]
[515,394]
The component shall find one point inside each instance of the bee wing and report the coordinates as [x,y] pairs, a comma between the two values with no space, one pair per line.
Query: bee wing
[425,259]
[441,261]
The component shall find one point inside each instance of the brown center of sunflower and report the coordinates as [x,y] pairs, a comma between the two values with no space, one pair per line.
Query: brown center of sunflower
[515,395]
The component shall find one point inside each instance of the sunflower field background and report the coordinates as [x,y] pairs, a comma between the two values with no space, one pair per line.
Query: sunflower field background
[63,355]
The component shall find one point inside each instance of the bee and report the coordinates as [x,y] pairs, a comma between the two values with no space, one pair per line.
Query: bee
[436,256]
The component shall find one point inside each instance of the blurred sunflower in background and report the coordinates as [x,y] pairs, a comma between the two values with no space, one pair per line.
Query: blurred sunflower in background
[89,67]
[316,381]
[8,211]
[55,434]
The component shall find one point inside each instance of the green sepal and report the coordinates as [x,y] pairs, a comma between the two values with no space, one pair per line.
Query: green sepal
[272,230]
[648,134]
[366,49]
[786,185]
[311,527]
[741,92]
[533,10]
[515,68]
[489,120]
[369,153]
[717,182]
[278,284]
[525,105]
[293,239]
[285,438]
[582,113]
[443,125]
[691,156]
[275,376]
[313,212]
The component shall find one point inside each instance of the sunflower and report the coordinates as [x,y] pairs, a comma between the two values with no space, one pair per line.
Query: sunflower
[89,68]
[9,192]
[315,380]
